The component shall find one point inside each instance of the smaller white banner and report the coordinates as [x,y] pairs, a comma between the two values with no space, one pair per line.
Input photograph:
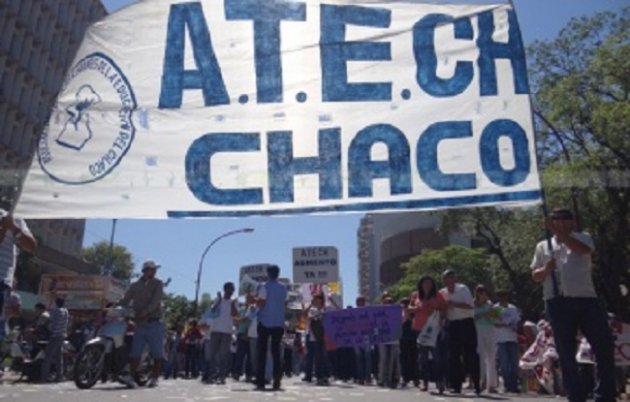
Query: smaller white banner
[315,264]
[251,277]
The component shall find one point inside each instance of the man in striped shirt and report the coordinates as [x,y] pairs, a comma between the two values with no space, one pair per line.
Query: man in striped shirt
[14,233]
[59,318]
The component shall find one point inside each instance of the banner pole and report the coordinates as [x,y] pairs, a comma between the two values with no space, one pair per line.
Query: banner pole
[545,210]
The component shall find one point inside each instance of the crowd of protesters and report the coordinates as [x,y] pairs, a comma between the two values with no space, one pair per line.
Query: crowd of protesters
[450,336]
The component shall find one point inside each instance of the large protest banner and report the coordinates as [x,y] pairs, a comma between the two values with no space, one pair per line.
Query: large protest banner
[239,107]
[363,326]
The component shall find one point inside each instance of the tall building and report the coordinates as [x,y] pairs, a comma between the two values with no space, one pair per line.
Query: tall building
[38,41]
[385,241]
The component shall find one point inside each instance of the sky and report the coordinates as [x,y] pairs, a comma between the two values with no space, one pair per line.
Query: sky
[178,244]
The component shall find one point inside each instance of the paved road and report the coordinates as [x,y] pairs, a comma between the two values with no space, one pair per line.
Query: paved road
[192,391]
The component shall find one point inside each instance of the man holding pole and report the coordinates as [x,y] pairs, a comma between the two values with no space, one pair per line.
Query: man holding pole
[571,304]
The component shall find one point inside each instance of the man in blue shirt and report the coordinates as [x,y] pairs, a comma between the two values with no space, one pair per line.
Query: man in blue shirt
[271,303]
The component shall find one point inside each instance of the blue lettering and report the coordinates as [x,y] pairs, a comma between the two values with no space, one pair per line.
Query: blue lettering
[283,166]
[489,50]
[427,156]
[489,151]
[175,79]
[198,175]
[336,52]
[266,15]
[362,170]
[426,59]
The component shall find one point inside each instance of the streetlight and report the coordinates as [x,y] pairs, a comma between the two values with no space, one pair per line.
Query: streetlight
[198,283]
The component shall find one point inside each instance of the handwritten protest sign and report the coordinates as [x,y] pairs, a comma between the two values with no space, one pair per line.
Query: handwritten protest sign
[251,277]
[363,326]
[315,264]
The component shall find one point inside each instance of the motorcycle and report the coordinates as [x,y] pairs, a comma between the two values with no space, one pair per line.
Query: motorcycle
[14,349]
[105,356]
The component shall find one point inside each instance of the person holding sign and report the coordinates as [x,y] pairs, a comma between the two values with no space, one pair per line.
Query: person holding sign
[271,301]
[460,332]
[388,368]
[429,308]
[315,314]
[223,309]
[363,354]
[563,265]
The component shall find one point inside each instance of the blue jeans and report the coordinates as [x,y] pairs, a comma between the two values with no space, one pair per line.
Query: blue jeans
[568,315]
[507,353]
[219,362]
[149,334]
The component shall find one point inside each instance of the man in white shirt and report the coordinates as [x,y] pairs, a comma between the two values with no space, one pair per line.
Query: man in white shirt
[221,337]
[461,333]
[507,340]
[571,304]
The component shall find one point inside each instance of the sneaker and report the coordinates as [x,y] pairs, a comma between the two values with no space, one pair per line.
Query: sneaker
[153,383]
[127,379]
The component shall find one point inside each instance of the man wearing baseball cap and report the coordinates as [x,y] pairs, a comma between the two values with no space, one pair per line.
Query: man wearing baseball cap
[145,297]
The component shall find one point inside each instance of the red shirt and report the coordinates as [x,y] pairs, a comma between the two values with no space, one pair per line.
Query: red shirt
[424,309]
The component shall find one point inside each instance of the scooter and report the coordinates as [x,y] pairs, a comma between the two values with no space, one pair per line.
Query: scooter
[105,357]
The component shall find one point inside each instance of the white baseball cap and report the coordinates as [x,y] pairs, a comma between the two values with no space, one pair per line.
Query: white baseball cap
[150,264]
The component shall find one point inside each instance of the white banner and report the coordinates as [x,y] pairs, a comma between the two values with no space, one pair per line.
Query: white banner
[315,264]
[239,107]
[251,277]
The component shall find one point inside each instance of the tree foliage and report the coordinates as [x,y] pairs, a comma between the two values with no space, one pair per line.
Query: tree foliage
[177,310]
[582,102]
[469,264]
[120,258]
[581,85]
[508,238]
[205,302]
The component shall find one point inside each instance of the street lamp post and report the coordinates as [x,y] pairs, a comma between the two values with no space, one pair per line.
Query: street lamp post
[198,283]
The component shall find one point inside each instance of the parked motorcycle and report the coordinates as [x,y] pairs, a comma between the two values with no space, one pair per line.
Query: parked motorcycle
[105,357]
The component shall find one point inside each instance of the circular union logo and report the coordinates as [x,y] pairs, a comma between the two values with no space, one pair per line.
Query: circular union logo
[90,130]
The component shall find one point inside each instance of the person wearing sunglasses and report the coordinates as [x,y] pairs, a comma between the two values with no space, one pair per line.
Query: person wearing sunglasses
[572,305]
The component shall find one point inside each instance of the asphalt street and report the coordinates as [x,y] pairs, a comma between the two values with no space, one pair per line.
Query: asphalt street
[181,390]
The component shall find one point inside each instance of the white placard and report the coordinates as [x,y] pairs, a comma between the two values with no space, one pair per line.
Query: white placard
[315,264]
[251,277]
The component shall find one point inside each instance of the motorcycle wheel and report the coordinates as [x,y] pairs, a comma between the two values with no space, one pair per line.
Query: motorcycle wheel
[88,367]
[143,374]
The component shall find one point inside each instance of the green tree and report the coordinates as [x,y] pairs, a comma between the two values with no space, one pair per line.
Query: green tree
[469,264]
[205,303]
[508,238]
[120,257]
[177,309]
[582,103]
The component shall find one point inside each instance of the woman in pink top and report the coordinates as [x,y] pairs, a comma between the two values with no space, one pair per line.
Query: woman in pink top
[425,302]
